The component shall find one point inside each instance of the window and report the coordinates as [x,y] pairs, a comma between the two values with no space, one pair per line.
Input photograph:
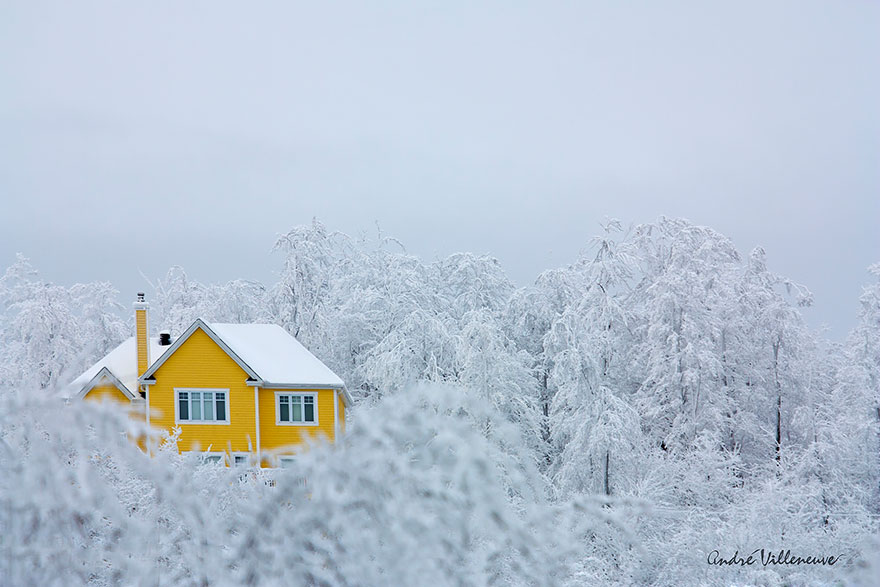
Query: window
[222,458]
[297,408]
[202,406]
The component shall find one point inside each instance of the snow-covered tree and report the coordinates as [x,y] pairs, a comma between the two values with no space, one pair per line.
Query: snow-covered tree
[49,332]
[311,262]
[178,300]
[603,425]
[680,306]
[772,361]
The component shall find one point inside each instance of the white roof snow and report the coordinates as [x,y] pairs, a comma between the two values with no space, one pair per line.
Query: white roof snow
[270,352]
[122,362]
[275,355]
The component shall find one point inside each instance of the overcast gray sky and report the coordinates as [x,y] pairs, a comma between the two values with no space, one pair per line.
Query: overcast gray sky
[139,135]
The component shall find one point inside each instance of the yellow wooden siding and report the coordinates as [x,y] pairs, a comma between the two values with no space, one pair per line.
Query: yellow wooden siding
[341,413]
[141,334]
[200,363]
[107,392]
[285,437]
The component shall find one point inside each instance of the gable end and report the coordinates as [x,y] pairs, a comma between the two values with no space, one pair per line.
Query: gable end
[105,373]
[148,377]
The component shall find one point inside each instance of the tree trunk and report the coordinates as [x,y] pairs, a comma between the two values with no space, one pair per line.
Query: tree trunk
[545,422]
[778,428]
[776,346]
[607,461]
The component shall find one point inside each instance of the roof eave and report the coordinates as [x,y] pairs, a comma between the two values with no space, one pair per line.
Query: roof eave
[346,397]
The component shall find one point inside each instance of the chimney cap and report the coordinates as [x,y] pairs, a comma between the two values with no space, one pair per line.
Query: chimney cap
[141,303]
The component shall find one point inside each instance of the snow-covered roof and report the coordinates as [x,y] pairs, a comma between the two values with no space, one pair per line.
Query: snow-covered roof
[275,355]
[121,362]
[266,352]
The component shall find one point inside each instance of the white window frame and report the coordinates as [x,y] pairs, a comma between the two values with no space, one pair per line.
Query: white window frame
[239,455]
[177,420]
[224,458]
[206,457]
[278,395]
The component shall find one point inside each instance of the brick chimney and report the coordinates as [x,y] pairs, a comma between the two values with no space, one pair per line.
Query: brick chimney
[141,334]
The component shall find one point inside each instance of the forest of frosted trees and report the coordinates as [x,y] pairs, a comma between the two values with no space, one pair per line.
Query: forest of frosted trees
[612,423]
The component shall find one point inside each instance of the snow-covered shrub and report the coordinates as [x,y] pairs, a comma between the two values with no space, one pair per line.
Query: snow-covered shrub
[431,486]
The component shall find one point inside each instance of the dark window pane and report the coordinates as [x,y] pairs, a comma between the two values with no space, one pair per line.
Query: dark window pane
[285,411]
[310,412]
[221,407]
[183,407]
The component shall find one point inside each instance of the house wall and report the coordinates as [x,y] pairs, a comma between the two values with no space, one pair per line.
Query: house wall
[279,436]
[200,363]
[107,392]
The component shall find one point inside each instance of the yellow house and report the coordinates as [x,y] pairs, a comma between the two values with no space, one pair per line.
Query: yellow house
[243,393]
